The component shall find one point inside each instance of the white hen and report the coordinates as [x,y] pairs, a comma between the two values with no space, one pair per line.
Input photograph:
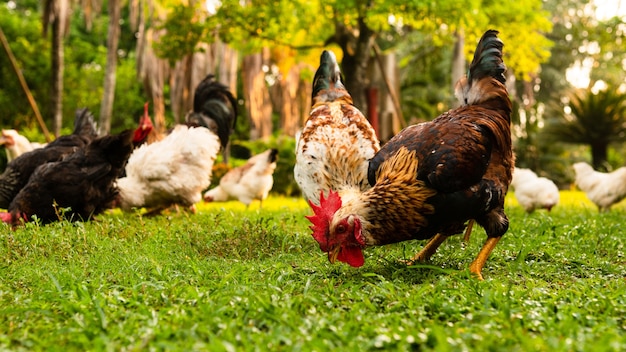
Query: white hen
[172,171]
[603,189]
[248,182]
[533,192]
[16,144]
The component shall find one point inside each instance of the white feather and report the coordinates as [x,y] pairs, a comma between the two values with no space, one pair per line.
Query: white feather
[603,189]
[533,192]
[174,170]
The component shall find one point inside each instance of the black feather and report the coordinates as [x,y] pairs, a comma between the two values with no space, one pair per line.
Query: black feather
[215,108]
[19,170]
[488,59]
[82,183]
[328,74]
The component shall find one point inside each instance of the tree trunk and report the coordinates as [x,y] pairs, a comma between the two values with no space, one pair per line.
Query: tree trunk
[599,156]
[181,89]
[291,105]
[384,77]
[61,9]
[459,65]
[108,94]
[256,96]
[153,72]
[356,55]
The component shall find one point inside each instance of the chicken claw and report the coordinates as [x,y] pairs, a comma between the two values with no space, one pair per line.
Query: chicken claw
[477,265]
[429,249]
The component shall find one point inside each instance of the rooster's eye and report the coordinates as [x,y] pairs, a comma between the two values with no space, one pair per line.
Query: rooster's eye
[340,229]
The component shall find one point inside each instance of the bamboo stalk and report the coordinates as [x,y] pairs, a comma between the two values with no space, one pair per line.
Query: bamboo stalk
[20,77]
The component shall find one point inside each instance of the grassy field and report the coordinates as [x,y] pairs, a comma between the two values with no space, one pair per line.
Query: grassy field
[237,279]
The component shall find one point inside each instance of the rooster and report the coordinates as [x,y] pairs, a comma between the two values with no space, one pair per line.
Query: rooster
[77,187]
[19,170]
[176,169]
[533,192]
[429,180]
[215,108]
[603,189]
[248,182]
[336,141]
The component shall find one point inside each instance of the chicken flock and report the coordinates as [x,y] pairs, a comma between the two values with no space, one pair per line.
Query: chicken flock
[429,182]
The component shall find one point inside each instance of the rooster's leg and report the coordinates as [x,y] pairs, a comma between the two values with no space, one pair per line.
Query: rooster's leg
[468,231]
[477,265]
[429,249]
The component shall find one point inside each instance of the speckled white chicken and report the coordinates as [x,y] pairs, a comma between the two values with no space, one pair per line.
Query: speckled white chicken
[603,189]
[248,182]
[336,142]
[533,192]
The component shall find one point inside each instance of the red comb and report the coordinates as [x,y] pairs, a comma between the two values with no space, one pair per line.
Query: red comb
[145,126]
[6,217]
[322,215]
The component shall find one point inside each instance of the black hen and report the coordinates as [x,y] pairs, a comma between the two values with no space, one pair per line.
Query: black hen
[215,108]
[18,171]
[77,187]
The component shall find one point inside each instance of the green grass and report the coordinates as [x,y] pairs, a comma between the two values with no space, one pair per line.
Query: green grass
[237,279]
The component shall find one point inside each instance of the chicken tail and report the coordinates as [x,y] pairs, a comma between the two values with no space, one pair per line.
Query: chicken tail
[485,78]
[273,155]
[327,85]
[487,60]
[215,108]
[84,124]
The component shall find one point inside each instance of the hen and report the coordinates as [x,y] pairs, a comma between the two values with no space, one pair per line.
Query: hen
[534,192]
[18,171]
[429,180]
[77,187]
[603,189]
[176,169]
[248,182]
[15,144]
[336,141]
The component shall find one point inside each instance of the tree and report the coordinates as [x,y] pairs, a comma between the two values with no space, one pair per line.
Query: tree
[113,38]
[56,15]
[594,119]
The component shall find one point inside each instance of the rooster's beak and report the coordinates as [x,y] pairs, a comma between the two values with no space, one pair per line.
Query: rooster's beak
[333,253]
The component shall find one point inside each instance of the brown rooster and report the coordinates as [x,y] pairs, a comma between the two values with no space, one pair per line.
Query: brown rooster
[336,142]
[432,178]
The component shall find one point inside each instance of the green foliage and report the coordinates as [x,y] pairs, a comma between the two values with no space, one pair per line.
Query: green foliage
[85,59]
[22,28]
[183,30]
[523,27]
[594,119]
[260,23]
[231,279]
[424,62]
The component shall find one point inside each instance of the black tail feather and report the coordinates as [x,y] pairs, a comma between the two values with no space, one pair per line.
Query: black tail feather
[488,59]
[84,123]
[214,107]
[328,74]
